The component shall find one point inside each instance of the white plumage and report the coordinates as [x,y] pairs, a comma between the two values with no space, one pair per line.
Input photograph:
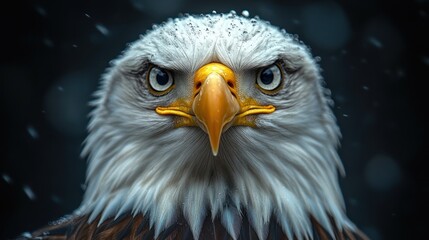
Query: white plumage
[283,168]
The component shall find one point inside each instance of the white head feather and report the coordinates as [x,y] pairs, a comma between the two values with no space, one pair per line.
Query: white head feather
[285,168]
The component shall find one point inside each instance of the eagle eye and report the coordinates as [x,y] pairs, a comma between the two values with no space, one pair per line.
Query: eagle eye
[269,79]
[160,80]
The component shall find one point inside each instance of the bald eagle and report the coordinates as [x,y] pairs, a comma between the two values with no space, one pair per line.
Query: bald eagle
[211,127]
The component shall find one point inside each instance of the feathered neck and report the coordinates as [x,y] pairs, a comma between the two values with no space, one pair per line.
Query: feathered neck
[163,173]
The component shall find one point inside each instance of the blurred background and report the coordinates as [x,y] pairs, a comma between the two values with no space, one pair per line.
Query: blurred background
[374,57]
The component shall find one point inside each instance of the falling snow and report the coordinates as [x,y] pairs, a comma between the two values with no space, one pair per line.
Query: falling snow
[33,132]
[26,235]
[375,42]
[102,29]
[6,178]
[29,192]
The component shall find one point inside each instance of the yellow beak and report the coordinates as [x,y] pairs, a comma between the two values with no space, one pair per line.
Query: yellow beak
[215,107]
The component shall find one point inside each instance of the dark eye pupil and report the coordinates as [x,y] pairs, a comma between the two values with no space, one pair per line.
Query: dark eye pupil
[267,76]
[162,77]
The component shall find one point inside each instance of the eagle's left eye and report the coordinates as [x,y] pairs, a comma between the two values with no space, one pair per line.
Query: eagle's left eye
[160,80]
[269,79]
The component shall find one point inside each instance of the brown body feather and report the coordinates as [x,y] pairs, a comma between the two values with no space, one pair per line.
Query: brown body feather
[137,227]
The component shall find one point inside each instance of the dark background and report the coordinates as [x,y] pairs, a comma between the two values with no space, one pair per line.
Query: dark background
[374,57]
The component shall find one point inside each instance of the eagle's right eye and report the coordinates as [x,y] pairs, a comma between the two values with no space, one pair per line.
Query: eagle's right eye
[160,80]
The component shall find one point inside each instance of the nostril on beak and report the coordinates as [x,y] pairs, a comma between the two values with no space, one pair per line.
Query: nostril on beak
[231,84]
[197,88]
